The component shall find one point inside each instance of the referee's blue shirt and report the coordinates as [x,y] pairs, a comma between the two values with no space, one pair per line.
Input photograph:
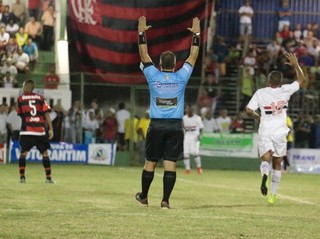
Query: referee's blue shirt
[167,91]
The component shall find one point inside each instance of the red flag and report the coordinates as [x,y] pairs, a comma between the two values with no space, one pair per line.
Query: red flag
[105,33]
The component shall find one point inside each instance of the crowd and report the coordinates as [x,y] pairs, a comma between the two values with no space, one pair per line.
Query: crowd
[22,32]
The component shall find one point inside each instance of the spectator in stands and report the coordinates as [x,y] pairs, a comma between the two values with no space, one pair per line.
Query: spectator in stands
[261,79]
[237,124]
[109,127]
[285,33]
[48,21]
[99,116]
[34,30]
[143,126]
[21,37]
[19,11]
[315,30]
[46,4]
[309,39]
[306,30]
[9,67]
[3,124]
[91,125]
[11,48]
[221,51]
[273,49]
[234,56]
[302,131]
[51,79]
[263,61]
[14,123]
[211,70]
[4,38]
[1,7]
[7,15]
[122,114]
[306,60]
[57,117]
[33,6]
[246,13]
[314,51]
[250,62]
[289,143]
[209,123]
[131,131]
[224,121]
[314,140]
[32,50]
[298,32]
[247,86]
[9,81]
[21,61]
[12,28]
[73,134]
[284,15]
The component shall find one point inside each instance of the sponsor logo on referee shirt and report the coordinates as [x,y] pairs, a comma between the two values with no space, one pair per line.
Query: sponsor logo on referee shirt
[166,85]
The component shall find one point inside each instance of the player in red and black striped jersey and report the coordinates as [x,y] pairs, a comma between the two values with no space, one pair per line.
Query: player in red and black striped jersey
[34,112]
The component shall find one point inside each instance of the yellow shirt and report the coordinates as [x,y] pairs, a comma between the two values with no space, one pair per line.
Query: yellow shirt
[144,125]
[21,39]
[129,133]
[290,126]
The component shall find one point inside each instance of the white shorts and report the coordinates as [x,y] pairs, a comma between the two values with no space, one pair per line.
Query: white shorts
[191,145]
[274,143]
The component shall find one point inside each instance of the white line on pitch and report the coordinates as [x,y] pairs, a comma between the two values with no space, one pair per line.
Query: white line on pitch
[294,199]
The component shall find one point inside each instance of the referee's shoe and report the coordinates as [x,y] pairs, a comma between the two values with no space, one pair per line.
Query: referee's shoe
[142,201]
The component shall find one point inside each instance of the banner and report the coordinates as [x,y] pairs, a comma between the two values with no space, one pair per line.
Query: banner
[103,154]
[304,160]
[3,153]
[59,153]
[229,145]
[105,33]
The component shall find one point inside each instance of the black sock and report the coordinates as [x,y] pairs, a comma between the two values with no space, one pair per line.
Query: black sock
[169,179]
[146,180]
[47,167]
[22,166]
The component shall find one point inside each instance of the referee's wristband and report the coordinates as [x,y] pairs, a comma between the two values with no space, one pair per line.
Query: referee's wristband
[142,39]
[196,39]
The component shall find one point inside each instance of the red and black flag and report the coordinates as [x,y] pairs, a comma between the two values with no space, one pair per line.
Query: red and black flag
[105,32]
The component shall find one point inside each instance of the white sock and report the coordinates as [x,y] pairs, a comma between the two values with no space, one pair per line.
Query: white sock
[186,162]
[275,181]
[197,159]
[264,168]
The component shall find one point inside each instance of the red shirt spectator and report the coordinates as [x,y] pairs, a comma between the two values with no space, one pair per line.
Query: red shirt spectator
[51,80]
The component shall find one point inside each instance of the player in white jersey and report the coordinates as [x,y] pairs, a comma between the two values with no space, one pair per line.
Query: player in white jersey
[192,124]
[273,103]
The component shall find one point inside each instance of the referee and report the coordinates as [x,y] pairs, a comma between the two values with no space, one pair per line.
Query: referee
[165,134]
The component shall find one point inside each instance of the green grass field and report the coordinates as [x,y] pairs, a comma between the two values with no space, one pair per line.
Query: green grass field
[98,202]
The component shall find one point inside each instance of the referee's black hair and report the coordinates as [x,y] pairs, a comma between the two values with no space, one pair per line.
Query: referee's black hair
[167,60]
[275,78]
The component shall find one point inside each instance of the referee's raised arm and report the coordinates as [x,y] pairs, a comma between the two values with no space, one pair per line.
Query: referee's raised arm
[194,50]
[142,39]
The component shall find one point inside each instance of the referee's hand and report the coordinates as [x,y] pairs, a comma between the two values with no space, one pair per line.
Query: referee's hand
[142,24]
[195,26]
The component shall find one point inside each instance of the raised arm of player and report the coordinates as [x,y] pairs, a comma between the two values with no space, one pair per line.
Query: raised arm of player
[142,40]
[194,50]
[293,61]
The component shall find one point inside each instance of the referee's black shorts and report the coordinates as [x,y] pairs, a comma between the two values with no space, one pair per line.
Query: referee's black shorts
[164,140]
[28,141]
